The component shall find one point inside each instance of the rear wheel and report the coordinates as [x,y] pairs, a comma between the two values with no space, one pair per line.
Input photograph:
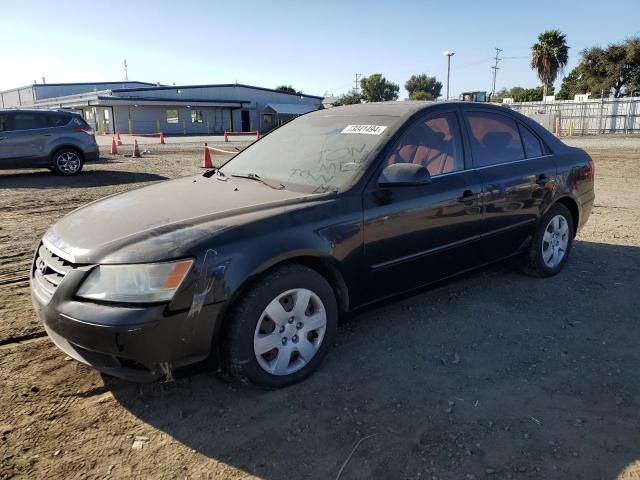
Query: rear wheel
[279,332]
[67,161]
[552,242]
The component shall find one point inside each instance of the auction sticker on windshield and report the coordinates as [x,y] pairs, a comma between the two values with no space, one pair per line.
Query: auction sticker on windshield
[366,129]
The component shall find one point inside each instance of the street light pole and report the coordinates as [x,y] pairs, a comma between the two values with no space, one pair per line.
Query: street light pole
[448,55]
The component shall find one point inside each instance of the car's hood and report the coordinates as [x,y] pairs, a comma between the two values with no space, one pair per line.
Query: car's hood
[154,221]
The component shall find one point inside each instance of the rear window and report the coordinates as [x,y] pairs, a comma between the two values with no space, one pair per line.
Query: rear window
[78,121]
[532,146]
[57,119]
[494,138]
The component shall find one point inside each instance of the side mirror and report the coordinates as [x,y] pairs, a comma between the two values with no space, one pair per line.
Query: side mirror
[404,175]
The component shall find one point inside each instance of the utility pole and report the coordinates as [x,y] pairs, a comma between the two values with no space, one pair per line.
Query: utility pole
[357,87]
[126,74]
[448,55]
[495,71]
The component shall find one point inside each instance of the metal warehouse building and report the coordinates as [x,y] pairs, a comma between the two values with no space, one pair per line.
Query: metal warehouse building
[139,107]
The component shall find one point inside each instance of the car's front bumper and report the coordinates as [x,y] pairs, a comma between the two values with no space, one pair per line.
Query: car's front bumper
[139,343]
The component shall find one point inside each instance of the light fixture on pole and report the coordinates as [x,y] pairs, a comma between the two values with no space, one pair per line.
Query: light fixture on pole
[448,55]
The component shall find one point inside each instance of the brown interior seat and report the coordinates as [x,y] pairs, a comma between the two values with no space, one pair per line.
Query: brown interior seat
[428,148]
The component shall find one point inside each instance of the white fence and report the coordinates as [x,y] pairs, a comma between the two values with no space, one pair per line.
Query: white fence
[609,115]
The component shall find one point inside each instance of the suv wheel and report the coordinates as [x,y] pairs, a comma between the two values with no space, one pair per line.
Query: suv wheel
[67,162]
[551,243]
[280,331]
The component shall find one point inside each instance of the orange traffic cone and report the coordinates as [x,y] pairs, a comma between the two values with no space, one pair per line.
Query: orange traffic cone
[114,146]
[118,139]
[206,159]
[136,150]
[161,138]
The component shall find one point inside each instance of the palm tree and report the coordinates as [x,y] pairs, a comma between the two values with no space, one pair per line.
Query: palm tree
[549,56]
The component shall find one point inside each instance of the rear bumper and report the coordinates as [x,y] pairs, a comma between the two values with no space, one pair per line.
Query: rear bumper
[91,154]
[586,206]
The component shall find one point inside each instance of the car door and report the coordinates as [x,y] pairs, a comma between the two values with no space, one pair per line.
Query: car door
[23,143]
[517,175]
[414,235]
[6,148]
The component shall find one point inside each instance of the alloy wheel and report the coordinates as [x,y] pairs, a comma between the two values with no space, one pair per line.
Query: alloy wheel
[68,163]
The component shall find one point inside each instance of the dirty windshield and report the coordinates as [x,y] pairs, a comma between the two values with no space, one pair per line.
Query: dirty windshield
[315,152]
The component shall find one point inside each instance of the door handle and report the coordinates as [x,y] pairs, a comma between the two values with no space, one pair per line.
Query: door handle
[542,180]
[468,197]
[3,138]
[46,134]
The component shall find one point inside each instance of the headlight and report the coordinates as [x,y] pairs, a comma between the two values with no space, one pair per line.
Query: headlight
[153,282]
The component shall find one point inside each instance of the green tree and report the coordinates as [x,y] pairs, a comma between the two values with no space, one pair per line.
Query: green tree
[573,84]
[349,99]
[287,88]
[376,88]
[421,96]
[423,87]
[615,69]
[549,56]
[520,94]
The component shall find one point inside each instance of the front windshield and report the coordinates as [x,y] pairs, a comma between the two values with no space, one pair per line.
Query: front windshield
[317,152]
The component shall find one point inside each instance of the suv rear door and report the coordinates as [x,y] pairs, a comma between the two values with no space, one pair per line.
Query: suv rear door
[24,141]
[6,126]
[518,176]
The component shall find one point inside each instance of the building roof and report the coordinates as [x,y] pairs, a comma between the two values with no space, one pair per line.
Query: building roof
[227,85]
[121,82]
[91,83]
[291,108]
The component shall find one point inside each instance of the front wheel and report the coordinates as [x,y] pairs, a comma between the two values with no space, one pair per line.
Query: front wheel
[280,331]
[551,243]
[67,162]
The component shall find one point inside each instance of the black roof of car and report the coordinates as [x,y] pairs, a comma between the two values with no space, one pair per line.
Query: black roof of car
[392,109]
[396,108]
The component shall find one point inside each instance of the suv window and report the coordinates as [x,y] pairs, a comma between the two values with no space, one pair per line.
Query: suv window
[57,119]
[494,138]
[532,146]
[28,121]
[5,123]
[433,143]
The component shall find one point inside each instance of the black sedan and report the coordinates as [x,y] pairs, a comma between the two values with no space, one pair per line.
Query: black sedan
[254,262]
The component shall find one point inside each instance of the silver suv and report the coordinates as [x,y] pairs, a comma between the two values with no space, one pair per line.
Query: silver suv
[55,139]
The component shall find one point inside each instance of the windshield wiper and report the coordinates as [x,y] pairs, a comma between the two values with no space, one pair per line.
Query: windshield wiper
[255,176]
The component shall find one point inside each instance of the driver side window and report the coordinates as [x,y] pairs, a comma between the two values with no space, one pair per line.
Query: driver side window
[433,143]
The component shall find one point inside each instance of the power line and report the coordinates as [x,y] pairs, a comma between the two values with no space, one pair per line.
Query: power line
[495,70]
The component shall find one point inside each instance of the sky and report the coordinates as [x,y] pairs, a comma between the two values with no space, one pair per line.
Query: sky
[316,46]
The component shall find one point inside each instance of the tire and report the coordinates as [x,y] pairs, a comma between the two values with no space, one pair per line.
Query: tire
[251,330]
[551,243]
[67,162]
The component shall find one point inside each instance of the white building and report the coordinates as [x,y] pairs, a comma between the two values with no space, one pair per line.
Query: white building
[139,107]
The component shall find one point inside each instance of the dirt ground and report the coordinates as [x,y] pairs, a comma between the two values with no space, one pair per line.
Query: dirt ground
[495,375]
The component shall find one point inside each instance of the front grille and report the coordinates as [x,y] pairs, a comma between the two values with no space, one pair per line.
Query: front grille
[48,271]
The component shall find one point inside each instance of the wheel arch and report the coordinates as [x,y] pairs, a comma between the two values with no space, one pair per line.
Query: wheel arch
[572,205]
[325,266]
